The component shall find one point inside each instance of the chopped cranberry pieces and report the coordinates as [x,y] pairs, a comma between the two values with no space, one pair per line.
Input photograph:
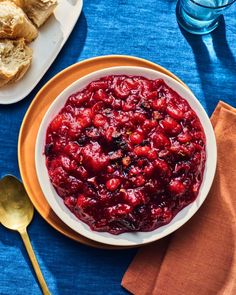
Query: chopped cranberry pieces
[126,154]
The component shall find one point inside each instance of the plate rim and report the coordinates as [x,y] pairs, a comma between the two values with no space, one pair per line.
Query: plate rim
[147,237]
[123,58]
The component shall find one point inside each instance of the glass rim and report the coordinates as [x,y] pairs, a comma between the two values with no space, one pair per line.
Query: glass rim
[213,7]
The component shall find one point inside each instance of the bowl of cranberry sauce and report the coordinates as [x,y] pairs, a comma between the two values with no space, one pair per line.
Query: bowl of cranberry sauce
[125,155]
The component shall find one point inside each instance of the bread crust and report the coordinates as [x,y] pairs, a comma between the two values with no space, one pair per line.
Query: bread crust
[38,11]
[16,28]
[10,75]
[14,23]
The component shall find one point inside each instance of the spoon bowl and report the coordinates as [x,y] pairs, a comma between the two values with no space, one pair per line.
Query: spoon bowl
[16,212]
[16,209]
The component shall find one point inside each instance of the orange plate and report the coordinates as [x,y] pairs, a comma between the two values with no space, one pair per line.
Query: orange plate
[33,118]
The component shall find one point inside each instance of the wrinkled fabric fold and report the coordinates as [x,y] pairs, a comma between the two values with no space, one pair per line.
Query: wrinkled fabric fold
[199,258]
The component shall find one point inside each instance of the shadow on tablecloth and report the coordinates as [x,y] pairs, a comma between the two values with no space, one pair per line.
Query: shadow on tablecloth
[213,58]
[65,263]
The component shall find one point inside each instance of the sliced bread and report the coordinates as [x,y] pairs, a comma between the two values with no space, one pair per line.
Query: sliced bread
[15,59]
[37,10]
[14,23]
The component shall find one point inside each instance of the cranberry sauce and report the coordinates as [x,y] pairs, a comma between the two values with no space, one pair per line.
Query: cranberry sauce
[126,154]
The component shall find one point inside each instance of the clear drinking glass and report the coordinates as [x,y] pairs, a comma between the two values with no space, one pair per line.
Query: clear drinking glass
[200,16]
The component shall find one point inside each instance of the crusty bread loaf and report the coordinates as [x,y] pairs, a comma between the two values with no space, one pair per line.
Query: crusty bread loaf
[14,23]
[37,10]
[15,59]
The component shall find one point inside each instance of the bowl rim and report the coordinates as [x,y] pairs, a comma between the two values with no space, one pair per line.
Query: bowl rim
[136,238]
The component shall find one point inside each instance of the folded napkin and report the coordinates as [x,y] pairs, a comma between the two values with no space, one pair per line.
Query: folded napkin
[199,258]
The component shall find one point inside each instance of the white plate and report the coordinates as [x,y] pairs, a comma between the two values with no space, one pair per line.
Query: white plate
[125,239]
[52,36]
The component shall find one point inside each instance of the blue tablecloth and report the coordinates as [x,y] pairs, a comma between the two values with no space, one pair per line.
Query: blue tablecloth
[143,28]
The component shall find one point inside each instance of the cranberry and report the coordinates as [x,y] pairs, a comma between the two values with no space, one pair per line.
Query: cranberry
[157,212]
[148,170]
[82,172]
[126,154]
[158,83]
[112,184]
[138,118]
[167,215]
[177,187]
[97,107]
[184,137]
[84,121]
[70,202]
[99,120]
[174,112]
[159,104]
[56,123]
[139,180]
[134,171]
[161,166]
[72,149]
[87,113]
[133,198]
[170,126]
[151,95]
[96,85]
[131,84]
[129,106]
[110,169]
[93,158]
[81,201]
[121,92]
[110,133]
[152,155]
[160,140]
[148,125]
[136,137]
[119,210]
[100,94]
[142,151]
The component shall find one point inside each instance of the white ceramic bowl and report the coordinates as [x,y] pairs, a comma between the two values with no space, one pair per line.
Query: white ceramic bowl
[125,239]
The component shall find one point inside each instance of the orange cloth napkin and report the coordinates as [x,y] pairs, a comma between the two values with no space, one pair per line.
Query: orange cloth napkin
[199,258]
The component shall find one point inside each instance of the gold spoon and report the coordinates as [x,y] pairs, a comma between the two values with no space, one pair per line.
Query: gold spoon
[16,212]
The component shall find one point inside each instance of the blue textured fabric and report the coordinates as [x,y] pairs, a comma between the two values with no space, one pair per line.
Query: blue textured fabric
[143,28]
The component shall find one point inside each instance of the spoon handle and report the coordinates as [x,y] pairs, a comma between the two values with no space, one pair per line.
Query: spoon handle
[28,246]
